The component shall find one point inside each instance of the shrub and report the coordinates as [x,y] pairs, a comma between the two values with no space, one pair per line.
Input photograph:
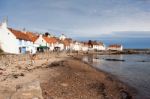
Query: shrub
[1,50]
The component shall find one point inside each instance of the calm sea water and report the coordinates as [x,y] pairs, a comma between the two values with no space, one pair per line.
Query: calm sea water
[132,71]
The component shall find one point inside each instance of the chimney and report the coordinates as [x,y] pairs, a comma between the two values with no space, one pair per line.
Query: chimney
[4,23]
[24,30]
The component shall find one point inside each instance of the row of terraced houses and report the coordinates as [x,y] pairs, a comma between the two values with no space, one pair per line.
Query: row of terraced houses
[21,41]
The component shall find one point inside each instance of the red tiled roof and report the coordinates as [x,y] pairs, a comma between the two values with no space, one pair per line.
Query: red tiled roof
[69,39]
[33,37]
[115,46]
[66,42]
[97,43]
[50,40]
[28,36]
[19,34]
[100,43]
[85,43]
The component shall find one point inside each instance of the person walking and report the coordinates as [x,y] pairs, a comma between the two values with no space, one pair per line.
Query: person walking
[32,55]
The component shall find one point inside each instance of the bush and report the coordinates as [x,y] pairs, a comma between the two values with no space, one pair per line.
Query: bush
[1,50]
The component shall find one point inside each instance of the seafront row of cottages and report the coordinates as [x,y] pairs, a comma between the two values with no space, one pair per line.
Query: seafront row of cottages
[17,41]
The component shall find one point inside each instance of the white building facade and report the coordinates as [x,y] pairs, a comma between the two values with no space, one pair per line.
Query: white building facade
[14,41]
[62,37]
[115,47]
[76,46]
[9,43]
[49,42]
[99,47]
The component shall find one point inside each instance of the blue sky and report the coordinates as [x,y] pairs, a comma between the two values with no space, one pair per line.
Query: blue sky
[80,18]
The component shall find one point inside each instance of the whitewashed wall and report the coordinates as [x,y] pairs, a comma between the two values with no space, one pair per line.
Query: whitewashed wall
[77,46]
[62,37]
[67,47]
[114,48]
[85,48]
[41,42]
[61,45]
[99,47]
[9,43]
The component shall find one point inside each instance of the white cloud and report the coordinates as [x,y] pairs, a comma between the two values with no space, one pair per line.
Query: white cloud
[80,18]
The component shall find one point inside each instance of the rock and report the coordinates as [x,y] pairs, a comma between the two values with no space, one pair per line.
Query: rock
[125,95]
[15,75]
[143,61]
[55,64]
[64,84]
[21,74]
[114,60]
[98,86]
[1,69]
[6,93]
[109,78]
[30,90]
[1,73]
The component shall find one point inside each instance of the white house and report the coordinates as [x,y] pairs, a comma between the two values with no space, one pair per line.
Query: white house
[84,46]
[41,41]
[62,37]
[98,46]
[115,47]
[60,45]
[49,42]
[67,43]
[14,41]
[76,46]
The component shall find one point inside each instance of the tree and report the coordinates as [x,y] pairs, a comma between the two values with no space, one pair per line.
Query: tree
[90,43]
[47,34]
[1,50]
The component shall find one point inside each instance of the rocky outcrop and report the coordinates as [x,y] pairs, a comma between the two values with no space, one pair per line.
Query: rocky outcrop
[30,90]
[6,93]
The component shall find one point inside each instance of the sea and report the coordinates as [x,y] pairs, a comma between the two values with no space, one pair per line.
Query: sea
[134,70]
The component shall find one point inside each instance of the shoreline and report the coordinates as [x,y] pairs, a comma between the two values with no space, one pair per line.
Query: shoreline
[111,87]
[132,90]
[67,77]
[123,52]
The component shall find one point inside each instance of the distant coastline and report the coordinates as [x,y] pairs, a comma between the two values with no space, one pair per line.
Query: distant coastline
[125,51]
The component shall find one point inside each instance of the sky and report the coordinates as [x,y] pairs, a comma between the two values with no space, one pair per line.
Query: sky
[82,19]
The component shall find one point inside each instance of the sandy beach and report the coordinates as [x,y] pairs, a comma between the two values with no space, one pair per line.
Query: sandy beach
[61,76]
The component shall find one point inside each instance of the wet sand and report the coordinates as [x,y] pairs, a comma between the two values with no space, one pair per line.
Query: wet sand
[63,77]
